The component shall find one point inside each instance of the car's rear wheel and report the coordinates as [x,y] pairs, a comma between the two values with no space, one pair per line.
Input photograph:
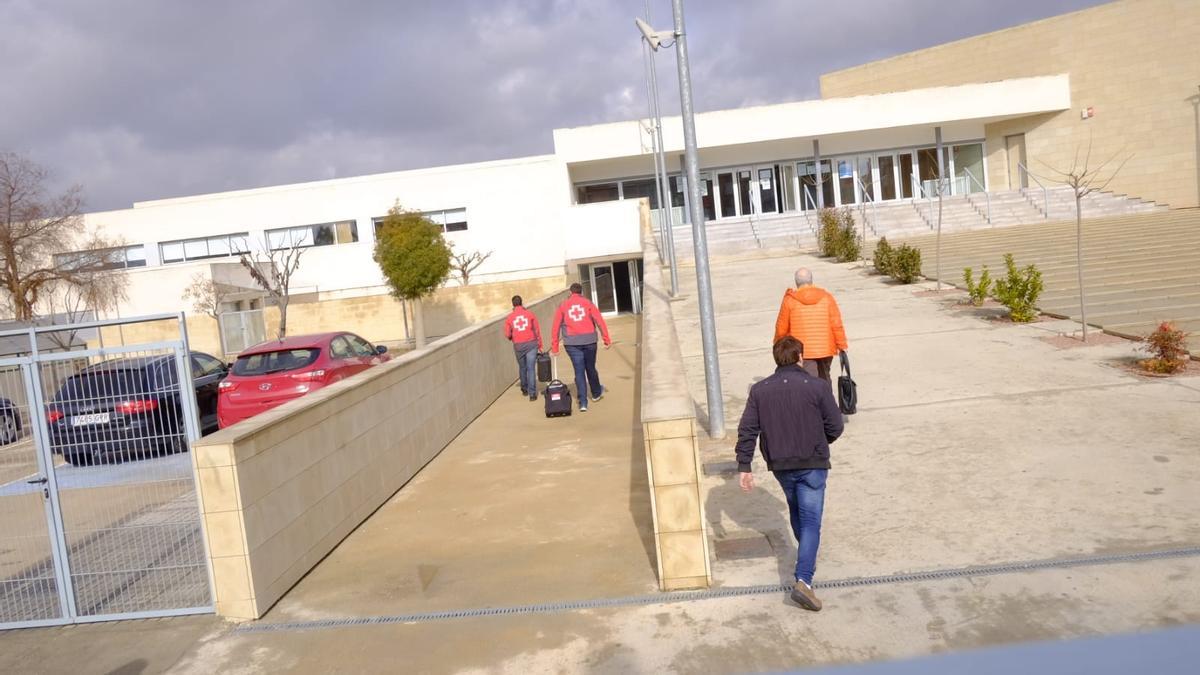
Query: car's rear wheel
[10,428]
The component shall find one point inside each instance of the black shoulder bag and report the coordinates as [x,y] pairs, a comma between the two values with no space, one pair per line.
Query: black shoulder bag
[847,391]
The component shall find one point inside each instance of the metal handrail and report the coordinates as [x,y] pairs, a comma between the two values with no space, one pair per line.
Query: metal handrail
[1045,193]
[985,193]
[928,203]
[812,206]
[874,212]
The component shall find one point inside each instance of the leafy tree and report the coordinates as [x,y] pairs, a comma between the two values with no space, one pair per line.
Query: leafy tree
[50,266]
[414,257]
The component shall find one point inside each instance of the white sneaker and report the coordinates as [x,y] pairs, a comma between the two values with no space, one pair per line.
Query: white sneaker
[603,391]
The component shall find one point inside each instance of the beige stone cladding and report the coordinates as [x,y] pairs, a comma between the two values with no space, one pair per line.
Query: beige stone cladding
[376,317]
[1136,63]
[379,318]
[280,490]
[669,436]
[202,334]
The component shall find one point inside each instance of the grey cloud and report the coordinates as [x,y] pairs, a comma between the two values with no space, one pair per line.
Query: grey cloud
[139,100]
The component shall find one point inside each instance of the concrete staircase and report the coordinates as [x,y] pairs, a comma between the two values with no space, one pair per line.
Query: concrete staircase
[912,218]
[1140,268]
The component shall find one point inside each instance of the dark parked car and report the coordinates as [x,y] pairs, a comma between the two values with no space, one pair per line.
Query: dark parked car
[10,422]
[130,408]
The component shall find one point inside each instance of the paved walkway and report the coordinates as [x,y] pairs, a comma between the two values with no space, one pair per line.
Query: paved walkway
[1139,269]
[978,443]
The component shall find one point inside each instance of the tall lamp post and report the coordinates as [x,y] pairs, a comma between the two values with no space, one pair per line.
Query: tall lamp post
[667,218]
[708,330]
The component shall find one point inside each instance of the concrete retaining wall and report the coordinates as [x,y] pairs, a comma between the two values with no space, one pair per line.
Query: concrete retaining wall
[281,490]
[669,431]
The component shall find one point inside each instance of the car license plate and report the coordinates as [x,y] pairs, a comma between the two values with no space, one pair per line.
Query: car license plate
[85,420]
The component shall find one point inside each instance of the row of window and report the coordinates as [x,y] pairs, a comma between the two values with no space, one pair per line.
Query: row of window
[450,220]
[225,245]
[103,259]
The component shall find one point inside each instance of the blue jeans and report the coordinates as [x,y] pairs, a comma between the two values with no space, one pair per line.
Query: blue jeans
[527,367]
[583,358]
[805,492]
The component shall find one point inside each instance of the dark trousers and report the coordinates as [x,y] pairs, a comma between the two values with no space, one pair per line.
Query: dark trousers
[527,368]
[820,368]
[583,358]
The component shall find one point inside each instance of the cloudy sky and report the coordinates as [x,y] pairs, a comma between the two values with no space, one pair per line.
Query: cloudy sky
[143,99]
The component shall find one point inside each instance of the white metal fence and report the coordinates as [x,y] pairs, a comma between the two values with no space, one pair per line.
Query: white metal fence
[99,517]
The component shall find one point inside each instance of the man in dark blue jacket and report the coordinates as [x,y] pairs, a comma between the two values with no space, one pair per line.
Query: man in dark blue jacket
[793,418]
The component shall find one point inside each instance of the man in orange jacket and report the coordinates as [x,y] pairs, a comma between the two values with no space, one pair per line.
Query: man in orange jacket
[810,314]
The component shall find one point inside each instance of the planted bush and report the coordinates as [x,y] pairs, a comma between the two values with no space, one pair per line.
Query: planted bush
[905,264]
[1019,290]
[849,246]
[883,256]
[1168,348]
[829,234]
[977,291]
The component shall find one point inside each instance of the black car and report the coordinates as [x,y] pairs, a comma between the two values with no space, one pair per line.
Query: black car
[130,408]
[10,422]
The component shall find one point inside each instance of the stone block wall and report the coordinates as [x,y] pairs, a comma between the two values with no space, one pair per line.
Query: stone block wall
[670,438]
[1134,62]
[280,490]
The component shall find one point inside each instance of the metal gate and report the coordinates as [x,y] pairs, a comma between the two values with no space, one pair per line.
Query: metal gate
[99,516]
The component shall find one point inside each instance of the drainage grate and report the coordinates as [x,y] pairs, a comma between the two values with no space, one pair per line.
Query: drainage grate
[728,592]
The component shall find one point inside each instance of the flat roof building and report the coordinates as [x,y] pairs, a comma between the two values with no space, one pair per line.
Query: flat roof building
[1011,108]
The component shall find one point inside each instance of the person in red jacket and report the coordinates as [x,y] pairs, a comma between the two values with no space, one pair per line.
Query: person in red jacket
[522,329]
[576,321]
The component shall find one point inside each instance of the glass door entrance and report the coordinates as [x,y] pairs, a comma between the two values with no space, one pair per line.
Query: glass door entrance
[768,197]
[604,289]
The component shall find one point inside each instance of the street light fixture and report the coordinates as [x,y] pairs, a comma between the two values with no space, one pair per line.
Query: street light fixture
[666,221]
[708,331]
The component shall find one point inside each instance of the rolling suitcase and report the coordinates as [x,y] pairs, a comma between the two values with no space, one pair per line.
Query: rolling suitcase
[557,395]
[543,367]
[558,399]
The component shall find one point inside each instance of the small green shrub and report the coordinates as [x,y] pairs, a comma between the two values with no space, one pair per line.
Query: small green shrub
[978,291]
[906,264]
[1019,290]
[1168,348]
[829,234]
[849,246]
[882,258]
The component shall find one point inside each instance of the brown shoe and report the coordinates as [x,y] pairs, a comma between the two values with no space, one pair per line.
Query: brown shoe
[803,595]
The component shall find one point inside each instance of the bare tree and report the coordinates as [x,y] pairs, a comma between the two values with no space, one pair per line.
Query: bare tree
[43,249]
[272,267]
[206,295]
[82,299]
[466,263]
[1084,179]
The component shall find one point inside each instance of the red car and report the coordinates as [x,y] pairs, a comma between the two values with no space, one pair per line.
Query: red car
[277,371]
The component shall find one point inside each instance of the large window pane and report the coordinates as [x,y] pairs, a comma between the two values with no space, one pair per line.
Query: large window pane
[197,248]
[218,246]
[135,256]
[347,232]
[635,189]
[969,158]
[323,235]
[605,192]
[171,252]
[845,179]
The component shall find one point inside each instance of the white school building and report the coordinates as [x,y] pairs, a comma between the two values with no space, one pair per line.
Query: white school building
[1008,107]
